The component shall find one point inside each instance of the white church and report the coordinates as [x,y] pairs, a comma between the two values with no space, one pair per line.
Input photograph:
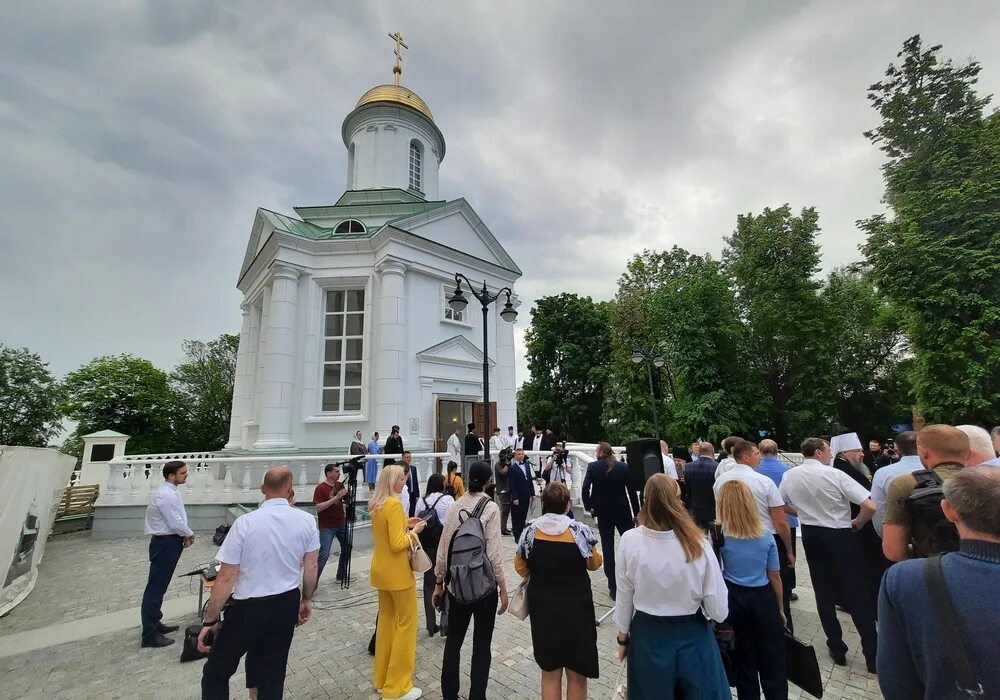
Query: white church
[346,325]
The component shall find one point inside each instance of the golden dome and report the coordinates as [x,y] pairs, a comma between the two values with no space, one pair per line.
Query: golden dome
[396,94]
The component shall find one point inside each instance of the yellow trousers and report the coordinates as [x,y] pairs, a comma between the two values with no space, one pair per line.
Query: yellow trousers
[396,641]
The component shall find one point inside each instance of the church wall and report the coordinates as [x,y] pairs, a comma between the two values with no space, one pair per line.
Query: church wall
[381,141]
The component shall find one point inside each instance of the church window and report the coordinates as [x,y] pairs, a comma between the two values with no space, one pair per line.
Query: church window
[344,326]
[416,166]
[350,226]
[449,313]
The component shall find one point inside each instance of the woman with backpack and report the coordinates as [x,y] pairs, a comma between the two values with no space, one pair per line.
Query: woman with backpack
[558,552]
[469,567]
[667,574]
[433,508]
[391,575]
[453,485]
[753,576]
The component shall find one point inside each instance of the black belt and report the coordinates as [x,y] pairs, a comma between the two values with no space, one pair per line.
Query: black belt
[164,537]
[266,597]
[672,618]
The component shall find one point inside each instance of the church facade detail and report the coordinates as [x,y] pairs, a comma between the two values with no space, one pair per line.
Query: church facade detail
[345,321]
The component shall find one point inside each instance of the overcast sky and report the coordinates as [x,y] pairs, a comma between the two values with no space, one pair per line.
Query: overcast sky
[137,139]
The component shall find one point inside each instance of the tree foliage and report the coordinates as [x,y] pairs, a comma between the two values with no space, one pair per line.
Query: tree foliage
[203,392]
[29,399]
[568,350]
[123,393]
[935,256]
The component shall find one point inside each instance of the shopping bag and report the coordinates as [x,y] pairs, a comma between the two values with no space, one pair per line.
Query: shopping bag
[802,668]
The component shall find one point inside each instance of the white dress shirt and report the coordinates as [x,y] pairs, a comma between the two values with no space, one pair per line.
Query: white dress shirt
[725,465]
[536,443]
[653,577]
[821,494]
[764,491]
[669,468]
[165,514]
[881,481]
[455,449]
[509,440]
[496,444]
[268,545]
[442,503]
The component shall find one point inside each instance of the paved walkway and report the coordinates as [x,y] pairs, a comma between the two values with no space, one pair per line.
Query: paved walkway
[76,636]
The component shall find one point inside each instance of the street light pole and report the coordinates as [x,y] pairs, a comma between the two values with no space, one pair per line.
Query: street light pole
[652,396]
[652,356]
[458,302]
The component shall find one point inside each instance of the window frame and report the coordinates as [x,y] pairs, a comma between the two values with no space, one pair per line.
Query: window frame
[416,183]
[322,363]
[446,291]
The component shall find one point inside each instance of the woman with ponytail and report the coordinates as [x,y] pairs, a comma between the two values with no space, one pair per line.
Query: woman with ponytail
[667,575]
[605,496]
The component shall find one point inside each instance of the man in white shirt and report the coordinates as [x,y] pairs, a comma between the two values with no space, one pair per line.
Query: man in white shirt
[821,497]
[497,443]
[980,446]
[265,556]
[455,446]
[726,462]
[510,440]
[536,439]
[669,468]
[909,462]
[166,523]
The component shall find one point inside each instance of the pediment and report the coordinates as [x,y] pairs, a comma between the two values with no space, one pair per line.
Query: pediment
[457,226]
[457,351]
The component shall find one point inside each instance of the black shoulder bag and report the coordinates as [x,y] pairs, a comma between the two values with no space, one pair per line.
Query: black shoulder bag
[950,628]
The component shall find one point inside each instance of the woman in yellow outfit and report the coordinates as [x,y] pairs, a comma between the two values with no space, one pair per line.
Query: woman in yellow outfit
[396,631]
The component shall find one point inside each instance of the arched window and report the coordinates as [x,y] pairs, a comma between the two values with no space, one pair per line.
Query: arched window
[416,165]
[350,226]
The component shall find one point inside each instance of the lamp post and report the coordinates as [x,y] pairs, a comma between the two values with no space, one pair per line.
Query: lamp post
[653,357]
[457,301]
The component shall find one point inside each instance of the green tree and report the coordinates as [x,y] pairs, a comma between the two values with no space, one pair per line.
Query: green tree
[935,256]
[568,350]
[866,357]
[29,399]
[203,392]
[122,393]
[773,258]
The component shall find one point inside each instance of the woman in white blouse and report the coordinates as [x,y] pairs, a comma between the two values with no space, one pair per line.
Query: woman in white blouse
[668,582]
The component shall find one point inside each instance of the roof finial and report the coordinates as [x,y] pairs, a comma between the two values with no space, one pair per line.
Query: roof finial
[397,70]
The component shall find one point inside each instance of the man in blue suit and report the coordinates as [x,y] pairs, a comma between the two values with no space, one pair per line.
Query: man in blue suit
[699,480]
[412,481]
[605,495]
[522,489]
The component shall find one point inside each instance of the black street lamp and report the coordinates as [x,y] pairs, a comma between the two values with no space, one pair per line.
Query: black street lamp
[653,357]
[458,302]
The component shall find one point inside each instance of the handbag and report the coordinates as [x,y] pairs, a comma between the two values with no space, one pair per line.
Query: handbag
[220,534]
[518,606]
[189,650]
[801,666]
[419,561]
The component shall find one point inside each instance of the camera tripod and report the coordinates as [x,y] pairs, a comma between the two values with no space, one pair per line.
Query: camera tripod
[351,468]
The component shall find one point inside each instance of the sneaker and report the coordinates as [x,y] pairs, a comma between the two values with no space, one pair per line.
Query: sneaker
[158,640]
[167,629]
[412,695]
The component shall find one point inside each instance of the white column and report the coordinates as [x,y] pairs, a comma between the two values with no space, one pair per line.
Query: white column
[275,419]
[242,389]
[390,364]
[506,387]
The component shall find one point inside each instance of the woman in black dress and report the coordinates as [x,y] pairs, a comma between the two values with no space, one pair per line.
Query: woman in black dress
[393,446]
[557,552]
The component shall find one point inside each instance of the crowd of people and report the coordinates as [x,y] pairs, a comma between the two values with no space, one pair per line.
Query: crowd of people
[902,537]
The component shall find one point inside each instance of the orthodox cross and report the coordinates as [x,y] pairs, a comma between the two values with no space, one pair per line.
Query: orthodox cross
[397,69]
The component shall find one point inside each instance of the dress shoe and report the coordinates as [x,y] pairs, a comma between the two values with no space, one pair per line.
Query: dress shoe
[167,629]
[433,630]
[871,667]
[839,657]
[794,596]
[506,533]
[158,641]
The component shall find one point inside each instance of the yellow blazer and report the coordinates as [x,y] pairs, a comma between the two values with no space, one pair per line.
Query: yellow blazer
[391,559]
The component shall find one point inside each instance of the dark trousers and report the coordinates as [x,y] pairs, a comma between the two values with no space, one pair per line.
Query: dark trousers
[164,553]
[833,568]
[518,516]
[430,578]
[787,577]
[326,536]
[504,513]
[484,613]
[607,530]
[263,628]
[760,642]
[413,504]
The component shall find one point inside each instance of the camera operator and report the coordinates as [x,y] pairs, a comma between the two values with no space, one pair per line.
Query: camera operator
[502,491]
[329,497]
[876,457]
[557,465]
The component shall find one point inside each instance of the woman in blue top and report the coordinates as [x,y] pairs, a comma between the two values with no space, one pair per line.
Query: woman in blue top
[752,573]
[371,466]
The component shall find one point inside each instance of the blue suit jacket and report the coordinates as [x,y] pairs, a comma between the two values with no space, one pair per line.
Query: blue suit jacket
[521,487]
[606,493]
[699,477]
[413,482]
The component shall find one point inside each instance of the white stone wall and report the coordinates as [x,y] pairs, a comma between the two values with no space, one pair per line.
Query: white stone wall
[381,139]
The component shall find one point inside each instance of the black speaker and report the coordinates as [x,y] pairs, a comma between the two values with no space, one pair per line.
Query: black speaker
[644,459]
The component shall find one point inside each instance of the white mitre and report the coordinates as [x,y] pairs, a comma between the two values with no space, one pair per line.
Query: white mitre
[845,443]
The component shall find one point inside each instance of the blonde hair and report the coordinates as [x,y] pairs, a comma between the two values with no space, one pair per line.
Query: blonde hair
[384,486]
[738,511]
[604,452]
[662,510]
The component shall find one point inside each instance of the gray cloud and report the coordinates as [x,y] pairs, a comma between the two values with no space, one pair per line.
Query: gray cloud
[137,139]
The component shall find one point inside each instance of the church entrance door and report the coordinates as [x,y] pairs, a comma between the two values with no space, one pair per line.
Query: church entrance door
[451,415]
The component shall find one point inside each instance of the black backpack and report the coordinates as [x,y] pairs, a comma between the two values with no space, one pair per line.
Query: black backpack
[930,531]
[431,534]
